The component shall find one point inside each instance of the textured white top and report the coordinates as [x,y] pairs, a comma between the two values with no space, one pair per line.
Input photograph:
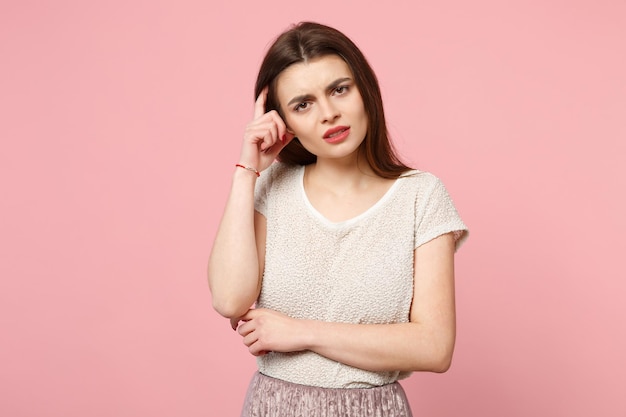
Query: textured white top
[356,271]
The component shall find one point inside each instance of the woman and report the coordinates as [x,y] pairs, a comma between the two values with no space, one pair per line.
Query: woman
[347,253]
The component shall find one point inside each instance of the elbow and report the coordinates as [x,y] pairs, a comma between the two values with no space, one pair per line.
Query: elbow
[232,295]
[229,303]
[436,359]
[442,364]
[441,359]
[230,308]
[438,364]
[232,305]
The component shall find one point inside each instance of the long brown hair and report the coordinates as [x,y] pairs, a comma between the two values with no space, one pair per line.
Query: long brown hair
[309,40]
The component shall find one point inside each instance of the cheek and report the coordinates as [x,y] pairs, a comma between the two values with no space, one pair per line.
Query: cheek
[364,117]
[298,126]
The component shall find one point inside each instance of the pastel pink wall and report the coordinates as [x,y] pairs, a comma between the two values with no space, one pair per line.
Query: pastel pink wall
[120,124]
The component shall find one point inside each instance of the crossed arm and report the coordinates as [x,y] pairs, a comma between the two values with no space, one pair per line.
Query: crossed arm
[425,343]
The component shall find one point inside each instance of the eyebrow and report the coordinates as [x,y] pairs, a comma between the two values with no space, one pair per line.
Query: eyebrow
[331,86]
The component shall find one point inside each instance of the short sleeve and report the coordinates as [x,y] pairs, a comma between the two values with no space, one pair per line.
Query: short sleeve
[266,186]
[261,190]
[436,215]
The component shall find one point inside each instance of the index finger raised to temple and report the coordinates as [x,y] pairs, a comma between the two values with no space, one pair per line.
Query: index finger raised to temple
[259,105]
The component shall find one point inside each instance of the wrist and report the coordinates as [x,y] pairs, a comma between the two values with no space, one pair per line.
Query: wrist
[248,168]
[308,330]
[242,176]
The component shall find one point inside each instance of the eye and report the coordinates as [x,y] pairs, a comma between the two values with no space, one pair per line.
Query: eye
[301,106]
[342,89]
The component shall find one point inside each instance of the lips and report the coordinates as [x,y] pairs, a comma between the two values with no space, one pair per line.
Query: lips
[336,134]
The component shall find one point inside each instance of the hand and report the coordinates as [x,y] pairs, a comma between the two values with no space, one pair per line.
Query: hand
[267,330]
[264,137]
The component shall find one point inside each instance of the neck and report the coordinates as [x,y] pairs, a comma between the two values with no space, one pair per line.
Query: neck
[341,175]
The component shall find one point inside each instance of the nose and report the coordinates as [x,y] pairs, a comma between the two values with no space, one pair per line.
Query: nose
[328,111]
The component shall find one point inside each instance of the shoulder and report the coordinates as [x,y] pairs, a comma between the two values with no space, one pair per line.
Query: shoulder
[435,209]
[428,192]
[421,181]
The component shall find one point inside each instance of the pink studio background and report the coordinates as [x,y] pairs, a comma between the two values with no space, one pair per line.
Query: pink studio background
[120,125]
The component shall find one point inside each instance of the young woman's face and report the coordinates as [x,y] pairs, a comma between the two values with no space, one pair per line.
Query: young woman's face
[322,106]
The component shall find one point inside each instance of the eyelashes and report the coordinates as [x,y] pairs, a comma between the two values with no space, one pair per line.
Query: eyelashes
[337,91]
[342,89]
[301,106]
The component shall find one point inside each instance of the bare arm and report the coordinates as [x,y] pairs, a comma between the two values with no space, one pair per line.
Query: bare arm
[237,257]
[426,343]
[235,263]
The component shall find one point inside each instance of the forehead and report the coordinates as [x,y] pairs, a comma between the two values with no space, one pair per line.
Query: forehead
[311,76]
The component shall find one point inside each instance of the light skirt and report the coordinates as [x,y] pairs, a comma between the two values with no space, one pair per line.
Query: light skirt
[271,397]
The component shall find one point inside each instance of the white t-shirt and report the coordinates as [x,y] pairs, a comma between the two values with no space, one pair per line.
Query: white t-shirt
[355,271]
